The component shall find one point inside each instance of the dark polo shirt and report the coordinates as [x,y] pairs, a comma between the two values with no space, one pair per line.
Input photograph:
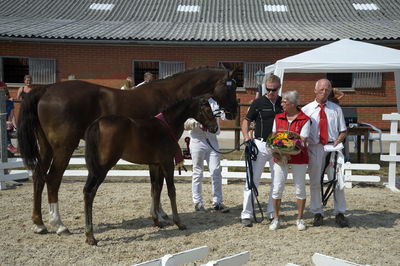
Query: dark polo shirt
[263,112]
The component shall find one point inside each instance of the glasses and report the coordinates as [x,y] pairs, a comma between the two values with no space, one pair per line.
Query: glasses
[269,90]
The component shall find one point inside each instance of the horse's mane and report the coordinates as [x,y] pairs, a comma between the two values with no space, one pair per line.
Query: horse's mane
[171,78]
[188,71]
[182,101]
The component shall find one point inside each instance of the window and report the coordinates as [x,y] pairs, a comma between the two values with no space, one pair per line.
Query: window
[250,70]
[366,6]
[160,69]
[188,8]
[340,80]
[362,80]
[367,80]
[275,8]
[245,74]
[13,69]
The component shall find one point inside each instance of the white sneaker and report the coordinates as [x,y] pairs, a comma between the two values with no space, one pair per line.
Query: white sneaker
[275,224]
[300,225]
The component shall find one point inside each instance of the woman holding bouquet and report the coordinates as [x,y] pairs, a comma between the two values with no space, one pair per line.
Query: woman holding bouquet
[295,125]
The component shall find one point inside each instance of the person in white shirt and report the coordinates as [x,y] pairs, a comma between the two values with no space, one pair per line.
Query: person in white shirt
[147,78]
[336,133]
[200,141]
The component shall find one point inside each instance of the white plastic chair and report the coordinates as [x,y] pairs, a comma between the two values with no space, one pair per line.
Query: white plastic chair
[377,135]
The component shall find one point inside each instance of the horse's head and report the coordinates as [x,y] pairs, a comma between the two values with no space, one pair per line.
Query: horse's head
[225,95]
[206,116]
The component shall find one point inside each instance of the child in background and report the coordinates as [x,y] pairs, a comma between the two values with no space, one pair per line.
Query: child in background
[10,119]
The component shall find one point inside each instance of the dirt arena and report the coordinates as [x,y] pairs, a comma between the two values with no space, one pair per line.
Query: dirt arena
[126,235]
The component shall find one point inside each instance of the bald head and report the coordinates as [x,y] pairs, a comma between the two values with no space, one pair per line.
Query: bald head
[323,88]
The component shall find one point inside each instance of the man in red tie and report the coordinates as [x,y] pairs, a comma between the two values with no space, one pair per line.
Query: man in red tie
[327,127]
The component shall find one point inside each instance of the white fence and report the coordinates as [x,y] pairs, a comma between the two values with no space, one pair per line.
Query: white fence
[324,260]
[392,158]
[9,176]
[197,254]
[226,173]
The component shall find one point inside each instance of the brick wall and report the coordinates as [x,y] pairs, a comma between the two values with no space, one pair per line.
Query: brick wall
[109,65]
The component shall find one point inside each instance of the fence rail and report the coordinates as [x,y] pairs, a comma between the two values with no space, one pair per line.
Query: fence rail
[227,173]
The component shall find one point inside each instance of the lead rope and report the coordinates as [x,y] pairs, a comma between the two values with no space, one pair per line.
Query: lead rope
[220,152]
[331,184]
[251,152]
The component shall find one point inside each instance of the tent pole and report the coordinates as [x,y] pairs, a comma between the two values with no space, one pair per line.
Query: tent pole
[397,88]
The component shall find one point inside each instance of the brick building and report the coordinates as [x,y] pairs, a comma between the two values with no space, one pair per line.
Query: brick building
[105,41]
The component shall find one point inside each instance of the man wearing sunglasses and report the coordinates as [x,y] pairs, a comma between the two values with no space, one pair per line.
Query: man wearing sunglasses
[262,111]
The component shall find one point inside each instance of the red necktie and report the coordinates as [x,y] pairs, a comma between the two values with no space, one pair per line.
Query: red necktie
[323,126]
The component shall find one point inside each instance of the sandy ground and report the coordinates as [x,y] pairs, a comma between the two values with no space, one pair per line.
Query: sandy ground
[126,235]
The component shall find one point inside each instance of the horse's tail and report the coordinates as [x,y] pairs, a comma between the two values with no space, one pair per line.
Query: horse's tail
[92,136]
[29,128]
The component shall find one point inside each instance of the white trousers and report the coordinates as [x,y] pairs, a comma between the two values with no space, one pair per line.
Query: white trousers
[201,151]
[264,155]
[316,164]
[299,179]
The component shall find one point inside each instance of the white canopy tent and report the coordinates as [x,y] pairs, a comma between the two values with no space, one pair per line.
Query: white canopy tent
[344,56]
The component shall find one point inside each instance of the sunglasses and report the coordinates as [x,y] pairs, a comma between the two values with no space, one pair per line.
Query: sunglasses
[269,90]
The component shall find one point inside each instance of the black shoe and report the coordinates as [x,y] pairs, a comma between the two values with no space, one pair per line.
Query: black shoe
[247,222]
[341,221]
[199,207]
[318,219]
[221,207]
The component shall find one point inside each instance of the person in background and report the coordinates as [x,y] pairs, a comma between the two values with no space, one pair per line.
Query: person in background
[262,111]
[335,96]
[129,84]
[294,120]
[200,141]
[327,127]
[10,117]
[22,91]
[148,77]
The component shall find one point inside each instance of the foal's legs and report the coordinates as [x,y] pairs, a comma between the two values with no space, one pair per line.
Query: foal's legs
[95,178]
[154,176]
[168,170]
[156,187]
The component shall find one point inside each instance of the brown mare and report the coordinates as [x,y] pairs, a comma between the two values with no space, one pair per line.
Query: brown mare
[144,141]
[53,119]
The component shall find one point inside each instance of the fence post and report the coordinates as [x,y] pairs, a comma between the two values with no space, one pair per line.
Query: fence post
[392,158]
[237,130]
[3,130]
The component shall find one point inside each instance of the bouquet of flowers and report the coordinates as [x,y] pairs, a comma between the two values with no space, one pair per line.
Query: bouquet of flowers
[286,144]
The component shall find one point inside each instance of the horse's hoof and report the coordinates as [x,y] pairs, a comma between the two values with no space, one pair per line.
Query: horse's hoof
[63,232]
[181,226]
[91,241]
[40,229]
[159,224]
